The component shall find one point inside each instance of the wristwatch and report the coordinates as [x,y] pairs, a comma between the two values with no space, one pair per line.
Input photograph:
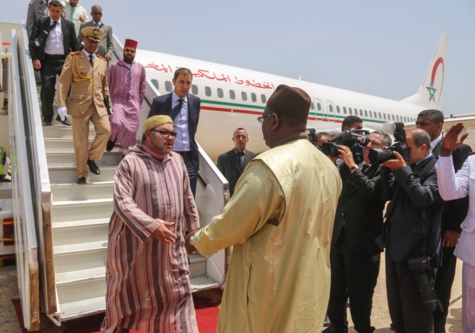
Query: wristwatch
[191,239]
[354,167]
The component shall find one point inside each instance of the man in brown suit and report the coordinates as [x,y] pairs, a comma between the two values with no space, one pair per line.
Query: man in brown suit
[84,78]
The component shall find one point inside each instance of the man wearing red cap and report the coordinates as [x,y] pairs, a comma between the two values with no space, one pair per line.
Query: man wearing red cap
[126,79]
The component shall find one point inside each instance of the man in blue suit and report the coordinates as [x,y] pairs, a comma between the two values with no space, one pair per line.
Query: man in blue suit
[184,109]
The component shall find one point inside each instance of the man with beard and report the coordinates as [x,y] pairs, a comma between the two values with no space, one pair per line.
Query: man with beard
[75,13]
[127,86]
[148,278]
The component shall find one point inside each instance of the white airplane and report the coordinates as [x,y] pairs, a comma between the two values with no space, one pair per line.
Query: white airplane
[233,97]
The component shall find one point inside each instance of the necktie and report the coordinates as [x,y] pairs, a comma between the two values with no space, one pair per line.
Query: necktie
[52,26]
[90,60]
[364,168]
[176,110]
[240,160]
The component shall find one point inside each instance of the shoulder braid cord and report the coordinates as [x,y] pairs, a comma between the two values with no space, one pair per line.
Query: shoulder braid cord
[78,76]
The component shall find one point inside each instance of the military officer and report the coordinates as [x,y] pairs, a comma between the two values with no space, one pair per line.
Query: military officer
[83,92]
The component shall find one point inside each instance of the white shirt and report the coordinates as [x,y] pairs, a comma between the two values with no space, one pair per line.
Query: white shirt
[54,41]
[180,124]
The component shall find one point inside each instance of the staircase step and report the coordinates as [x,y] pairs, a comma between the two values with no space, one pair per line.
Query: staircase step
[73,261]
[59,144]
[80,291]
[68,211]
[82,308]
[66,192]
[69,175]
[80,275]
[64,132]
[80,234]
[197,265]
[80,247]
[67,158]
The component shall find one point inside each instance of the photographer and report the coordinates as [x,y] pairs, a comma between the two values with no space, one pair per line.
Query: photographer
[354,256]
[411,234]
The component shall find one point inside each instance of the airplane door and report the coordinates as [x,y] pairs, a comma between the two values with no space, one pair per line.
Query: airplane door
[330,110]
[316,109]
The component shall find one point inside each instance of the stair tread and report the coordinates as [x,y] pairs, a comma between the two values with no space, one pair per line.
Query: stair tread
[80,247]
[82,223]
[87,274]
[82,202]
[81,308]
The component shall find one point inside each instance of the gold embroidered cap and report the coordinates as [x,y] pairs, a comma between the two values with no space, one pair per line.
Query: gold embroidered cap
[92,33]
[155,121]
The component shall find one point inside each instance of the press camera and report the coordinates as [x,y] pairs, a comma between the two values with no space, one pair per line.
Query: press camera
[422,271]
[353,139]
[378,155]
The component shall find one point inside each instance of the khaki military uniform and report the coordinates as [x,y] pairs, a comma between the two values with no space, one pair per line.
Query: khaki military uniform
[82,90]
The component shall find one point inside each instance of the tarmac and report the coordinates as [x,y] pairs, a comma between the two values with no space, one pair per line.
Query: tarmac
[380,315]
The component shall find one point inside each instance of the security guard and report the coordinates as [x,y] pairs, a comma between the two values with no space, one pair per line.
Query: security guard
[83,91]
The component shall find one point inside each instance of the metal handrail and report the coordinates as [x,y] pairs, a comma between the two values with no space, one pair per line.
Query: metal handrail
[26,244]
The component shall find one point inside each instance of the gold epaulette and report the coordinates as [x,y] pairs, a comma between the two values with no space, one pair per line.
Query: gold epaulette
[74,53]
[100,57]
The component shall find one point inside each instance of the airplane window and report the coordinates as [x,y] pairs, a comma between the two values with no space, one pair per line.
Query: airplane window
[263,98]
[337,109]
[168,86]
[207,91]
[220,93]
[194,89]
[370,114]
[330,107]
[366,113]
[244,96]
[253,97]
[361,113]
[319,107]
[312,106]
[232,94]
[344,109]
[155,83]
[393,116]
[379,113]
[350,111]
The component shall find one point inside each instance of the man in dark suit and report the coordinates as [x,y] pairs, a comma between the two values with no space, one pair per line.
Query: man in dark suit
[106,45]
[184,109]
[455,211]
[354,256]
[412,232]
[232,163]
[51,40]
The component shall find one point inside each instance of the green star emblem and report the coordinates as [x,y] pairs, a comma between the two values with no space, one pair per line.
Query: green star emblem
[431,91]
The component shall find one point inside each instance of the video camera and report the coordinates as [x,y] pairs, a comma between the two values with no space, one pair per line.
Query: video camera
[422,271]
[354,139]
[378,155]
[312,135]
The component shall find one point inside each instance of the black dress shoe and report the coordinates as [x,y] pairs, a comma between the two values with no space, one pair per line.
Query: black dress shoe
[82,180]
[93,167]
[46,123]
[110,145]
[64,122]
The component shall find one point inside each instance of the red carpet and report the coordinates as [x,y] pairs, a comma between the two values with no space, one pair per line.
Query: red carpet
[206,305]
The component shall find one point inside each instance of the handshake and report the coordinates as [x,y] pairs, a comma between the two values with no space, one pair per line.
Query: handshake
[188,240]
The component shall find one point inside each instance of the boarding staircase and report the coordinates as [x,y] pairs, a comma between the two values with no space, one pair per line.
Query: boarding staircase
[67,222]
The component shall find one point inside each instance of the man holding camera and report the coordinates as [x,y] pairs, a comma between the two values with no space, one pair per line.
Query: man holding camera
[455,211]
[412,234]
[355,257]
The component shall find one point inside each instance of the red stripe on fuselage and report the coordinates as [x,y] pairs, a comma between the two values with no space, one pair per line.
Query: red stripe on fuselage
[218,109]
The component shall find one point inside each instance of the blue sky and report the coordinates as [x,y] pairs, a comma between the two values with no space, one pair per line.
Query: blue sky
[377,47]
